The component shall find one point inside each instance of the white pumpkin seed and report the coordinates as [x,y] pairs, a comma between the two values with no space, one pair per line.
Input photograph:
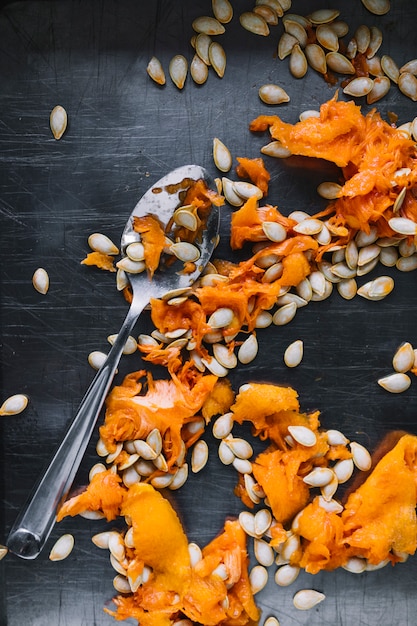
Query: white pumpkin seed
[284,314]
[305,290]
[224,356]
[246,190]
[254,23]
[243,466]
[195,554]
[62,548]
[377,7]
[270,16]
[285,45]
[319,477]
[363,38]
[403,359]
[293,354]
[223,425]
[407,264]
[116,545]
[290,547]
[217,58]
[208,25]
[144,450]
[96,469]
[303,435]
[198,70]
[390,68]
[14,404]
[380,88]
[374,68]
[40,280]
[248,350]
[202,45]
[58,121]
[102,243]
[240,447]
[306,599]
[264,554]
[309,226]
[336,438]
[358,87]
[223,10]
[328,491]
[258,577]
[155,71]
[131,267]
[388,256]
[130,476]
[329,190]
[347,288]
[121,584]
[298,62]
[323,16]
[332,506]
[276,149]
[360,456]
[374,43]
[407,84]
[178,68]
[318,283]
[297,30]
[273,94]
[327,37]
[355,565]
[247,522]
[199,456]
[221,155]
[180,477]
[339,63]
[286,575]
[395,383]
[185,251]
[343,470]
[130,346]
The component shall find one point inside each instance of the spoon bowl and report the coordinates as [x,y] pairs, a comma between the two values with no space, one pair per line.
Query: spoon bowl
[36,520]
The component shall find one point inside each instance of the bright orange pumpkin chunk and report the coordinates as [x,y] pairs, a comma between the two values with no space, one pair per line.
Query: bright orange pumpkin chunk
[152,236]
[100,260]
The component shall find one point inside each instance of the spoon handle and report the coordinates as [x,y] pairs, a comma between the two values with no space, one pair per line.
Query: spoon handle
[36,520]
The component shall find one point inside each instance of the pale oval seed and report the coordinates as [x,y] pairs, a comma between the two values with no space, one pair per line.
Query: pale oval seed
[40,280]
[407,84]
[360,456]
[217,58]
[377,7]
[380,88]
[155,71]
[319,477]
[303,435]
[343,470]
[178,68]
[284,314]
[285,45]
[390,68]
[339,63]
[298,62]
[14,404]
[306,599]
[395,383]
[258,577]
[403,359]
[223,426]
[62,548]
[223,10]
[198,70]
[254,23]
[208,25]
[293,354]
[273,94]
[102,243]
[58,121]
[358,87]
[221,155]
[199,456]
[248,350]
[286,575]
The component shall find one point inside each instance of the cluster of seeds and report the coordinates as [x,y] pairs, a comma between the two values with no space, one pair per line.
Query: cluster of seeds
[404,360]
[208,52]
[316,41]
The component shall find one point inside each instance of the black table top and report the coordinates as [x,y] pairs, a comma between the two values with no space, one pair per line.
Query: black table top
[125,132]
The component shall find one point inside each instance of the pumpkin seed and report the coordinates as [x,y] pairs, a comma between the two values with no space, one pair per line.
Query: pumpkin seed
[117,566]
[243,466]
[217,58]
[319,477]
[306,599]
[240,447]
[388,256]
[270,16]
[374,43]
[185,251]
[308,113]
[305,290]
[199,456]
[130,476]
[407,84]
[202,45]
[121,584]
[358,87]
[285,45]
[339,63]
[298,31]
[355,565]
[116,545]
[323,16]
[247,522]
[407,264]
[223,425]
[377,7]
[343,470]
[14,404]
[273,94]
[262,522]
[317,282]
[390,68]
[264,554]
[360,456]
[180,477]
[223,10]
[178,68]
[275,149]
[208,25]
[224,356]
[367,254]
[347,288]
[332,506]
[230,194]
[327,37]
[377,289]
[62,548]
[286,575]
[198,70]
[221,155]
[96,469]
[374,68]
[58,121]
[303,435]
[130,346]
[251,488]
[102,243]
[155,71]
[352,49]
[248,350]
[380,88]
[298,62]
[246,190]
[410,67]
[316,58]
[195,554]
[403,359]
[293,355]
[254,23]
[328,491]
[263,319]
[395,383]
[284,314]
[40,280]
[131,267]
[309,226]
[258,577]
[340,27]
[290,547]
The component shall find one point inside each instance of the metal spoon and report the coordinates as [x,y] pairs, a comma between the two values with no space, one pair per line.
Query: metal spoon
[35,522]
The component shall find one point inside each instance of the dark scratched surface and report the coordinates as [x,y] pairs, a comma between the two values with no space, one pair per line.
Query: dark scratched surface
[124,133]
